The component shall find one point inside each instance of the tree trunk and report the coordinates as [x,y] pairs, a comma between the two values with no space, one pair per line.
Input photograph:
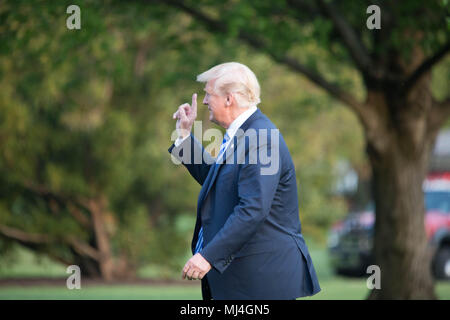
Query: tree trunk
[106,263]
[399,154]
[401,248]
[89,267]
[111,267]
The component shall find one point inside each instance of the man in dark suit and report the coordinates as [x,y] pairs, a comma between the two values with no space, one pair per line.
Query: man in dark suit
[247,241]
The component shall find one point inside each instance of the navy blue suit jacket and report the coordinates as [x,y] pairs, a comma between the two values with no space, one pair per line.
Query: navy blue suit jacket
[251,226]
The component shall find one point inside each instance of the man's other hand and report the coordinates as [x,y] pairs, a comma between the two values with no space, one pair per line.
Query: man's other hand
[185,115]
[196,268]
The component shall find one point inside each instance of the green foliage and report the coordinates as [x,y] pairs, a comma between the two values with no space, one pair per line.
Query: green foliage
[87,113]
[441,79]
[80,117]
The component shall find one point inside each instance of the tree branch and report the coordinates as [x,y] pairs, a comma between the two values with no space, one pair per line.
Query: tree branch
[73,206]
[83,248]
[444,106]
[293,64]
[34,238]
[350,39]
[425,66]
[440,114]
[78,215]
[23,236]
[332,89]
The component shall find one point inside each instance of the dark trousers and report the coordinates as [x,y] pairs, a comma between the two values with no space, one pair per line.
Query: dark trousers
[206,291]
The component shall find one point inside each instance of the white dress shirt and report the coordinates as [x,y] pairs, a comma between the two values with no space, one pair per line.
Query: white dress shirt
[239,121]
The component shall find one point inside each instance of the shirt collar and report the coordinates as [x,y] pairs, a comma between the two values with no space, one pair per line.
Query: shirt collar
[239,121]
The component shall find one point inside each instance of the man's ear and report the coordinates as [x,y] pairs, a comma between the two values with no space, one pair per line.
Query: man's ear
[229,99]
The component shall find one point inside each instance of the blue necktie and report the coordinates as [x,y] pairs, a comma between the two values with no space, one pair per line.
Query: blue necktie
[199,245]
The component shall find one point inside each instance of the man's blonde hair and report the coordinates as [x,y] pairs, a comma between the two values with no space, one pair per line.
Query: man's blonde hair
[235,78]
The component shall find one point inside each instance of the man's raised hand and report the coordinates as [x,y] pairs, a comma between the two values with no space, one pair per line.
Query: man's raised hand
[185,115]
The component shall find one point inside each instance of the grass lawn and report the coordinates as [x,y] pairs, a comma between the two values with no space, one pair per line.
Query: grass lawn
[120,292]
[332,289]
[27,266]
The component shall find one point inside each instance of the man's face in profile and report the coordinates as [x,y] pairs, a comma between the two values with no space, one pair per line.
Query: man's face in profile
[215,103]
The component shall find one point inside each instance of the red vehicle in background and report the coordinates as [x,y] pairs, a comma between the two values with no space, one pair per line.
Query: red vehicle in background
[350,241]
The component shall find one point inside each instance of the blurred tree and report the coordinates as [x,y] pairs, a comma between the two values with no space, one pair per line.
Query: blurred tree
[85,117]
[85,125]
[400,116]
[81,176]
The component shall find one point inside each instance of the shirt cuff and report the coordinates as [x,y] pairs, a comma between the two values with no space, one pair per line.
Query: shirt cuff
[180,140]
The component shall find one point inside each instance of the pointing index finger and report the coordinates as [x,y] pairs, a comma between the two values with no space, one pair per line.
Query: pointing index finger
[194,102]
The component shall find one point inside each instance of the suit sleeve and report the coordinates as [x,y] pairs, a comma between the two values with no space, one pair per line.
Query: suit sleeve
[194,157]
[256,191]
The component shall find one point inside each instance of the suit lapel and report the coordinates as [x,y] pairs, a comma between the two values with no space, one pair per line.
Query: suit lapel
[213,172]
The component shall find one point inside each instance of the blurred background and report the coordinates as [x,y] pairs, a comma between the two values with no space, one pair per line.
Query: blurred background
[86,121]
